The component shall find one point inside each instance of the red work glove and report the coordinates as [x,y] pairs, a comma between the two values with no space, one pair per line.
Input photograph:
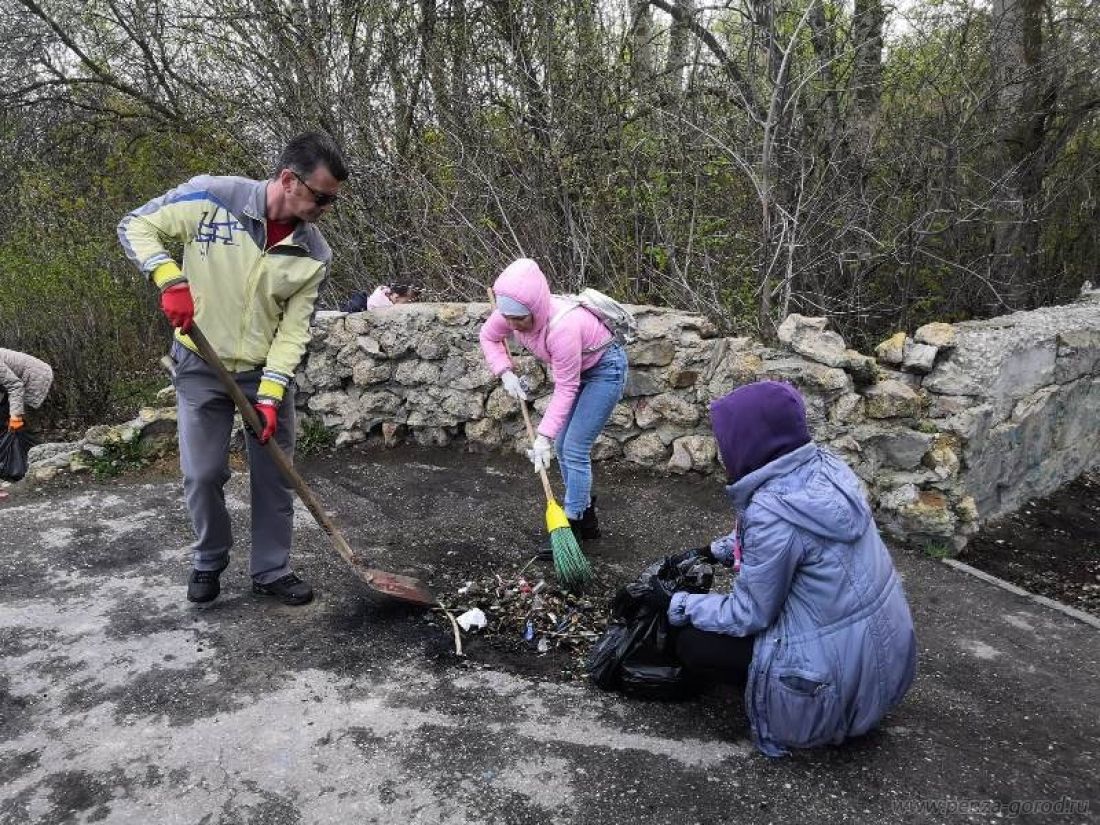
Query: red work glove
[15,423]
[178,306]
[269,417]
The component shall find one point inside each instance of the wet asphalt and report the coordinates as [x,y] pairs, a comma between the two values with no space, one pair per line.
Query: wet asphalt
[120,702]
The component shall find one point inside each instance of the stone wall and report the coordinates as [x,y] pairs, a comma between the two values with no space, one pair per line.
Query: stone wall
[951,426]
[947,428]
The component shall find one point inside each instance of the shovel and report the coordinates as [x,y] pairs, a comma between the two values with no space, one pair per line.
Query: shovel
[403,588]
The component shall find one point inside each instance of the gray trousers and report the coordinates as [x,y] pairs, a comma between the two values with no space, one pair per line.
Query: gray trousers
[205,413]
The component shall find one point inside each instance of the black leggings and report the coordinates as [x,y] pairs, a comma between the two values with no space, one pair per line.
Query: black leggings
[714,657]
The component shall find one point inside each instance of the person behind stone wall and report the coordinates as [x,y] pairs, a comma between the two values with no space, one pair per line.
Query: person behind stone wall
[254,261]
[816,627]
[385,295]
[589,370]
[25,381]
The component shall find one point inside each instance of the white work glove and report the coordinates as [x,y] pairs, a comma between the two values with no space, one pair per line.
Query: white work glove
[541,453]
[514,385]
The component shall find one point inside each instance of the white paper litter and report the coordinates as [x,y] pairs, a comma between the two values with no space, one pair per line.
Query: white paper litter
[473,619]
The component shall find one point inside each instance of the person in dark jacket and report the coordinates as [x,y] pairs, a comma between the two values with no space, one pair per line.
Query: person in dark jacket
[816,626]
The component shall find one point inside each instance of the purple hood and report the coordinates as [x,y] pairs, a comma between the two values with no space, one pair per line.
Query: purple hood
[756,424]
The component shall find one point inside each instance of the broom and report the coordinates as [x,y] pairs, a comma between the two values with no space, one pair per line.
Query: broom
[570,565]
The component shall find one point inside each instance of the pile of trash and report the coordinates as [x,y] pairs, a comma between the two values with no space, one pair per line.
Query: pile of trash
[527,614]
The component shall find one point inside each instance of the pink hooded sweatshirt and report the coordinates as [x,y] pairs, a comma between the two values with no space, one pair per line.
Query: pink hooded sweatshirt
[561,347]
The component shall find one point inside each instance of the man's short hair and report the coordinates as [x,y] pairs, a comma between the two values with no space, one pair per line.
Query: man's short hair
[305,152]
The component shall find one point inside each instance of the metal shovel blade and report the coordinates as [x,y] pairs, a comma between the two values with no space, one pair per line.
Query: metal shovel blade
[397,586]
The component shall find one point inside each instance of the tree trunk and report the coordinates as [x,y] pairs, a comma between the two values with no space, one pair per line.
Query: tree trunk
[1017,48]
[678,44]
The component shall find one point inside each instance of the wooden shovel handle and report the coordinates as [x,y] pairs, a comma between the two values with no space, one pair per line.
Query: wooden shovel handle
[546,488]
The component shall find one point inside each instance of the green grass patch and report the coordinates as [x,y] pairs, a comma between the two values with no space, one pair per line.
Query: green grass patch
[121,457]
[938,550]
[315,437]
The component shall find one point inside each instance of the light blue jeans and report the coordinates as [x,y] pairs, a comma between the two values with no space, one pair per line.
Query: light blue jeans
[601,388]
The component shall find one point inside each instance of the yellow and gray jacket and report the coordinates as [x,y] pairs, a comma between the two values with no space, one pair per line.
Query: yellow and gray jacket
[254,305]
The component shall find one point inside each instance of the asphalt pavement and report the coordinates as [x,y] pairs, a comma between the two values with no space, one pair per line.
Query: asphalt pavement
[120,702]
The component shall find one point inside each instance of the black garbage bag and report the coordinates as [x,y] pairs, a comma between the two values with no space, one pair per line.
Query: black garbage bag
[14,447]
[636,654]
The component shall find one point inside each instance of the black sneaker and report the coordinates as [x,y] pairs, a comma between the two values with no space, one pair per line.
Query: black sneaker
[289,590]
[203,585]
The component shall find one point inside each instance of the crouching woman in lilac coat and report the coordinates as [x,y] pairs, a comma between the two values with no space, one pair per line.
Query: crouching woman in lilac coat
[817,626]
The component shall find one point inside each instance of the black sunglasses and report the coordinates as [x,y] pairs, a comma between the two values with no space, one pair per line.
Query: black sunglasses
[319,198]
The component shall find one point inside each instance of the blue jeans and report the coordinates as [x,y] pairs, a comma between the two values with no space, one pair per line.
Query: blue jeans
[601,388]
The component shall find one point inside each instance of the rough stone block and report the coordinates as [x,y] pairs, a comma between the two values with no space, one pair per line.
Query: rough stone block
[891,399]
[606,448]
[645,415]
[674,409]
[863,368]
[919,357]
[484,431]
[892,350]
[812,378]
[942,458]
[451,314]
[693,452]
[433,345]
[900,448]
[936,334]
[413,373]
[367,373]
[847,409]
[794,324]
[655,353]
[431,436]
[379,402]
[369,345]
[1078,355]
[644,382]
[683,379]
[647,450]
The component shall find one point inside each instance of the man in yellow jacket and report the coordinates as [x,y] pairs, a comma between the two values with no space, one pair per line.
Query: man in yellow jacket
[253,263]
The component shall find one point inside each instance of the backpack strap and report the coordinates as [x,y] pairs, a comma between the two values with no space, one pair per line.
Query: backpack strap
[561,313]
[574,304]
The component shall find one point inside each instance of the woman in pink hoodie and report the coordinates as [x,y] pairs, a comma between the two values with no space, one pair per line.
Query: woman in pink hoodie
[589,370]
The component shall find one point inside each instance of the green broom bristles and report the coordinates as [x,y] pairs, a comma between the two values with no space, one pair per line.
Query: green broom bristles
[570,565]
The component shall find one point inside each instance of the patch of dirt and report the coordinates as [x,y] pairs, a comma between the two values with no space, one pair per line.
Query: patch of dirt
[1051,546]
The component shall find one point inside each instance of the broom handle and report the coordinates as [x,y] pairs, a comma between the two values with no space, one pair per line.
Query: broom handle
[546,488]
[281,460]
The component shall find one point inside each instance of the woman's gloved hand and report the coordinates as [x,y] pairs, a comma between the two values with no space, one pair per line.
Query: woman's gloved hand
[541,453]
[694,554]
[514,385]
